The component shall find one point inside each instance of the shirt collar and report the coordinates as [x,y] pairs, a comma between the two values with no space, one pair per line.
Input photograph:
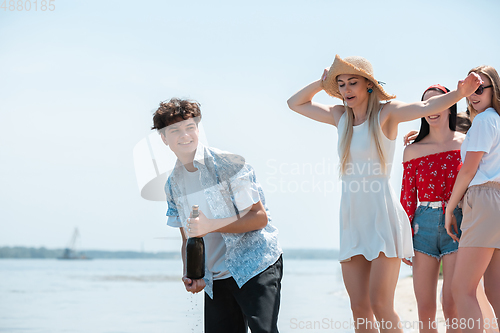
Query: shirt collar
[199,157]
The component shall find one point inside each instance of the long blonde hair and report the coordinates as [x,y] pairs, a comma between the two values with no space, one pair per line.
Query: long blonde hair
[373,109]
[492,74]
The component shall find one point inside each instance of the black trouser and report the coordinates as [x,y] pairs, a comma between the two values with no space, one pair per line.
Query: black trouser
[255,305]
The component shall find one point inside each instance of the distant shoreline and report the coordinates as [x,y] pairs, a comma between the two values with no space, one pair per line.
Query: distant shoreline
[22,252]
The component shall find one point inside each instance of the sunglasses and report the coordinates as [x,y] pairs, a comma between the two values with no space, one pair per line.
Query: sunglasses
[480,90]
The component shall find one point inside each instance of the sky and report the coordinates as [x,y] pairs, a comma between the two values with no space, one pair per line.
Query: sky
[79,85]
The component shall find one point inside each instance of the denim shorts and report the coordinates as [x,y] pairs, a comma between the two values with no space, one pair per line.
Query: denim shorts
[430,236]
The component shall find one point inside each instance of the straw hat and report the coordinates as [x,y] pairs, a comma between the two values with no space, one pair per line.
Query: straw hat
[351,65]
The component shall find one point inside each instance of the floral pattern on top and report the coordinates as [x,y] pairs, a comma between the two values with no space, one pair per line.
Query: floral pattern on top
[430,178]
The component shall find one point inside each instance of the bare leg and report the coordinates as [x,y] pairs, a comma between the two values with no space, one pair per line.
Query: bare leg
[492,284]
[449,307]
[470,266]
[383,279]
[356,274]
[425,278]
[490,326]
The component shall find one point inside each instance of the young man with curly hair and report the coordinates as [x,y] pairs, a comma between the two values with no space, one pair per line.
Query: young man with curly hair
[243,264]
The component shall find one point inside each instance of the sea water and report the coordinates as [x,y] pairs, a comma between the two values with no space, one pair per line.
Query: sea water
[147,296]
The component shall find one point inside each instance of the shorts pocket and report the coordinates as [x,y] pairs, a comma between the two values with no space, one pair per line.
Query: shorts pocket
[420,210]
[468,198]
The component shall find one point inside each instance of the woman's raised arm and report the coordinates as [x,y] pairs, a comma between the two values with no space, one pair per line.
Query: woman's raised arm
[301,102]
[400,112]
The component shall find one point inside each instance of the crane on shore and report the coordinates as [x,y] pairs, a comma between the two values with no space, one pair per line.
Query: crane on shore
[70,252]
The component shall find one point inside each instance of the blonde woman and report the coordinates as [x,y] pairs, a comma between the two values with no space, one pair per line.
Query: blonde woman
[479,183]
[375,232]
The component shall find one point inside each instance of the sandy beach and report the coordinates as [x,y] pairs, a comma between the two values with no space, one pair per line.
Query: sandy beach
[406,306]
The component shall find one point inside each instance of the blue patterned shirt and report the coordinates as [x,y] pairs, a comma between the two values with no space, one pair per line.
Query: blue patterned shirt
[229,184]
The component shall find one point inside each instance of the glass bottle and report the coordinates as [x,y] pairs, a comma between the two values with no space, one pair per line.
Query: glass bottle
[195,254]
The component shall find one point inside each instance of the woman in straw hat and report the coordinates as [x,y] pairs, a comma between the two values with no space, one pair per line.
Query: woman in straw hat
[374,229]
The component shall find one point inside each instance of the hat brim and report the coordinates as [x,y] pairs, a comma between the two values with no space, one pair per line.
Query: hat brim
[339,67]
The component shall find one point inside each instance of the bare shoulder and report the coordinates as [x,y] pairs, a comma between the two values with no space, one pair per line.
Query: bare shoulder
[386,119]
[390,107]
[395,112]
[459,137]
[415,150]
[337,112]
[385,111]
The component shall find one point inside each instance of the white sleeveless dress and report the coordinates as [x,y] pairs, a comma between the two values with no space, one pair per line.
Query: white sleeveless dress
[372,219]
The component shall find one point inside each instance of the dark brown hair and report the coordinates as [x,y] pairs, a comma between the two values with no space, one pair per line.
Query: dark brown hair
[424,125]
[175,110]
[463,122]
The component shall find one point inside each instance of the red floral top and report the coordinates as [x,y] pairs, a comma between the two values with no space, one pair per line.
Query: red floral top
[431,176]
